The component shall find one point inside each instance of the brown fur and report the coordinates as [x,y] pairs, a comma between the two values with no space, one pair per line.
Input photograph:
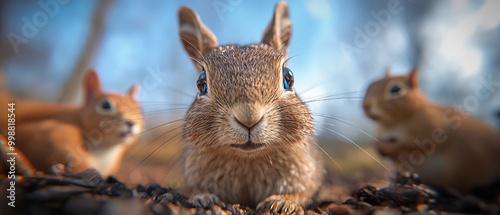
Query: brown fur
[88,135]
[245,89]
[459,151]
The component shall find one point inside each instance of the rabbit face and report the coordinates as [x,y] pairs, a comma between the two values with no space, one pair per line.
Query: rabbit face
[248,105]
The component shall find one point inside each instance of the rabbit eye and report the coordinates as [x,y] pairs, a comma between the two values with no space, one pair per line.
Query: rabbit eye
[287,78]
[202,83]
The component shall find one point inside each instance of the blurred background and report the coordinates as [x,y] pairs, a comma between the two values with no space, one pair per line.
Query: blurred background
[338,49]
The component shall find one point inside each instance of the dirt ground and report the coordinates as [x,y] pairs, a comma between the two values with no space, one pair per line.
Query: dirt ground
[150,178]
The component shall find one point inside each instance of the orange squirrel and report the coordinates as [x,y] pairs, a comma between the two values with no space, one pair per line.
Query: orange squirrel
[95,134]
[445,146]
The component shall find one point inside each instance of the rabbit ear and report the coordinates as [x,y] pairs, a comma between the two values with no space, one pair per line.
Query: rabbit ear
[279,30]
[197,39]
[413,78]
[133,91]
[92,84]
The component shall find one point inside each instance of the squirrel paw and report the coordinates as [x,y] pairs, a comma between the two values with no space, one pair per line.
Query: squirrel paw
[279,204]
[206,200]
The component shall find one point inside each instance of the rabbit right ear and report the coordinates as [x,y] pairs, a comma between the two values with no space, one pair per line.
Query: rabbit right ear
[92,84]
[196,38]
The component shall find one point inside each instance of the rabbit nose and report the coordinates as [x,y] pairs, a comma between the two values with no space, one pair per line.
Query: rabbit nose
[248,114]
[248,122]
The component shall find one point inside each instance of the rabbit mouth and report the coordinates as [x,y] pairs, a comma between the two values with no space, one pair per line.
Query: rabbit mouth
[248,146]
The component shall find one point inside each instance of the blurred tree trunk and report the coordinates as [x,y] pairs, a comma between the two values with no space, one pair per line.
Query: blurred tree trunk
[73,85]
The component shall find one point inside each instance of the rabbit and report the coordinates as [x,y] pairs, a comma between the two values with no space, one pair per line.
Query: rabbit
[445,146]
[248,136]
[95,134]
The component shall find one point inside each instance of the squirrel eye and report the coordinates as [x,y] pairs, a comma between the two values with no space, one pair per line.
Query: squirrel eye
[105,106]
[202,83]
[395,89]
[287,78]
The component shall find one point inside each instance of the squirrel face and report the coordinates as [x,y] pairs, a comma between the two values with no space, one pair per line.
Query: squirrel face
[109,119]
[392,99]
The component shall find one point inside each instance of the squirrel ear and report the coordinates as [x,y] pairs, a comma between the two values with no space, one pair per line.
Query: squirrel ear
[133,91]
[387,73]
[92,84]
[279,30]
[413,78]
[197,39]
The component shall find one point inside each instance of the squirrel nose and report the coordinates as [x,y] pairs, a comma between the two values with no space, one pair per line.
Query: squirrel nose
[249,122]
[366,107]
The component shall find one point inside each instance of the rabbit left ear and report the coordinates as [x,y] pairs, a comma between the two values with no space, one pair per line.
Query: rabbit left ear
[197,39]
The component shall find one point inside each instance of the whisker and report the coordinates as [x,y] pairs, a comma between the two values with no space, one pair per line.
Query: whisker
[177,162]
[153,112]
[340,120]
[289,58]
[335,162]
[162,124]
[318,100]
[340,95]
[329,95]
[335,98]
[150,105]
[158,147]
[146,145]
[145,116]
[347,123]
[197,50]
[345,137]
